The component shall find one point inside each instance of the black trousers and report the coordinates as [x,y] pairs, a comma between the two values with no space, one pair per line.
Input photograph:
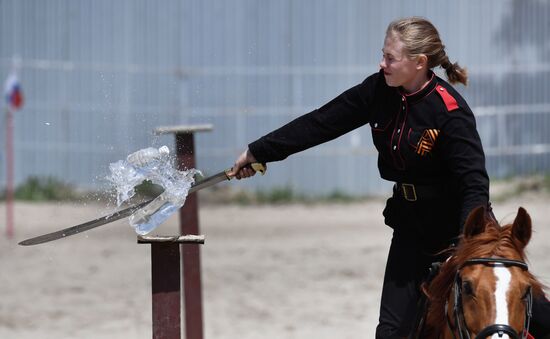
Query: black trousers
[406,268]
[408,263]
[421,229]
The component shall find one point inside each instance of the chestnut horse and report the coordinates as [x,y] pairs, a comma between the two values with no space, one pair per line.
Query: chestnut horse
[484,290]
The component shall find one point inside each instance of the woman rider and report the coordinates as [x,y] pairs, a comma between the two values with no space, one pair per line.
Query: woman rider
[427,144]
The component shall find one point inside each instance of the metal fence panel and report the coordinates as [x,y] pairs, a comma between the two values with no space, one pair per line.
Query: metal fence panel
[99,76]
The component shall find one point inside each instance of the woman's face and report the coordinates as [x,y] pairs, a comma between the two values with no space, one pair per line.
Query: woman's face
[398,69]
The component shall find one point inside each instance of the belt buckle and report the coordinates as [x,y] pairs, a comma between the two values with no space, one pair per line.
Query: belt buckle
[409,188]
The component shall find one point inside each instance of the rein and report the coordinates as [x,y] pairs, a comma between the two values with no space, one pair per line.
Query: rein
[458,312]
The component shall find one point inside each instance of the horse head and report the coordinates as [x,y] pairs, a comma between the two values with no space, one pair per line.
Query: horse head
[485,289]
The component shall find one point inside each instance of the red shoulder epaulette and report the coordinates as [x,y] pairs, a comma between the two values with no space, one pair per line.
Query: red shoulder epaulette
[448,99]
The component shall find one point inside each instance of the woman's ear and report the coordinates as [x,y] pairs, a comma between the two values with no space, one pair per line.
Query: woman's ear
[421,62]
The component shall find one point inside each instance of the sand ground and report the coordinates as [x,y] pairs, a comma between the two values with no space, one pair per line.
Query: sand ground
[290,271]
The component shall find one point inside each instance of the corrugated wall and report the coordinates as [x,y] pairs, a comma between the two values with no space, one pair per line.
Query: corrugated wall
[99,76]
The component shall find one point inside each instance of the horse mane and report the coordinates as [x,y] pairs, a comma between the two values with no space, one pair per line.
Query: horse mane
[496,241]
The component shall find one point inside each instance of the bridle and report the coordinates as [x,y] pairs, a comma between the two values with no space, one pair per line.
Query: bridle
[500,329]
[458,312]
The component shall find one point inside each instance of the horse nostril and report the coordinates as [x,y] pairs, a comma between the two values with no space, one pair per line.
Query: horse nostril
[500,334]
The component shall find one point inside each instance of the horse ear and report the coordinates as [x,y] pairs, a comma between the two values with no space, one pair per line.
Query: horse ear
[521,228]
[475,223]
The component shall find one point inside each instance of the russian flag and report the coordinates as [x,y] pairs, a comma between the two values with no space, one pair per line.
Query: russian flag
[13,92]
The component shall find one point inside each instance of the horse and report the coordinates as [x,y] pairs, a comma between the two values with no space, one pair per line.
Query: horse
[484,289]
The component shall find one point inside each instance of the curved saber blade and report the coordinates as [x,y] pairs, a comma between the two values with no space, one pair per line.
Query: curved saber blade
[222,176]
[85,226]
[207,182]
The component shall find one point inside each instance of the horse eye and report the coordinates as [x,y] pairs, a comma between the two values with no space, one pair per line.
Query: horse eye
[467,288]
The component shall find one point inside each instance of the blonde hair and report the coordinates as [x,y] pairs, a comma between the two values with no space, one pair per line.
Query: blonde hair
[421,37]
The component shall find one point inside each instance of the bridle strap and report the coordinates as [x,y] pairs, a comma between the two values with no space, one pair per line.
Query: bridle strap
[505,262]
[500,329]
[462,332]
[451,327]
[528,313]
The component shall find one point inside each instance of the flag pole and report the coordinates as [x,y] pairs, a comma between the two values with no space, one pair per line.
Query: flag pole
[9,173]
[14,98]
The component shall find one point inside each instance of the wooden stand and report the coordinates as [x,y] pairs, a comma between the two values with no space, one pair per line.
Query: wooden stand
[166,283]
[189,224]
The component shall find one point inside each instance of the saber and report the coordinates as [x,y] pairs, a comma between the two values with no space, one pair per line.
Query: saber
[207,182]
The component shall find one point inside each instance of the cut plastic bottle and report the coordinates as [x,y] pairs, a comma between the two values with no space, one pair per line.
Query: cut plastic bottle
[146,156]
[155,213]
[156,166]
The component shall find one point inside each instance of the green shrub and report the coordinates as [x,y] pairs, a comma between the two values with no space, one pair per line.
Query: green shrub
[546,183]
[277,195]
[339,196]
[45,189]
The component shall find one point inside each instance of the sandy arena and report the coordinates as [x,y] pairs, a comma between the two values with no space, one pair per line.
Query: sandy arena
[291,271]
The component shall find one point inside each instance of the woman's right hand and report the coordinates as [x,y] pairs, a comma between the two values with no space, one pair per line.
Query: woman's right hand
[240,170]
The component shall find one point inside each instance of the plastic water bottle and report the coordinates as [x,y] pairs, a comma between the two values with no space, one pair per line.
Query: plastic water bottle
[145,156]
[155,213]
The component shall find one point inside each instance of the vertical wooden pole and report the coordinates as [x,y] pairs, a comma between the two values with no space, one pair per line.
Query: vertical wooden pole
[9,174]
[189,225]
[166,284]
[165,272]
[190,255]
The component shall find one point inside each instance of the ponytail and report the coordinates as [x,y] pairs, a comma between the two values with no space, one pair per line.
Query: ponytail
[454,72]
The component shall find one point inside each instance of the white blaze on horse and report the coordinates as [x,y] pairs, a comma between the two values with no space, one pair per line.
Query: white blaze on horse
[485,289]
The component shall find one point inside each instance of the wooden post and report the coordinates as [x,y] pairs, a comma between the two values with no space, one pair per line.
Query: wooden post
[166,284]
[189,224]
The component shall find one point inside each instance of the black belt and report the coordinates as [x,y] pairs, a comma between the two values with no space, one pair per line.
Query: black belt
[411,192]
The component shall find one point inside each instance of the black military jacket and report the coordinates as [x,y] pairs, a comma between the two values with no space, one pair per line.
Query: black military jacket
[423,138]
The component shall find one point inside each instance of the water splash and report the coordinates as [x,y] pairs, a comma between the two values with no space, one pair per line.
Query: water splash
[125,176]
